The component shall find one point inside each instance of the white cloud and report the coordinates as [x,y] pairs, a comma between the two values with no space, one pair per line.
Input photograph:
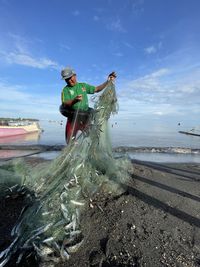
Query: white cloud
[166,109]
[16,101]
[118,54]
[20,43]
[65,47]
[28,60]
[128,45]
[149,82]
[116,25]
[15,93]
[150,50]
[153,48]
[159,73]
[164,87]
[18,52]
[140,107]
[160,113]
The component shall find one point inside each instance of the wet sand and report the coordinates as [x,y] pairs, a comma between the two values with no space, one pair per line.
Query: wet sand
[154,222]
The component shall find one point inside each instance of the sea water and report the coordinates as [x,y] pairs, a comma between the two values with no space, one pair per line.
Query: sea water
[53,134]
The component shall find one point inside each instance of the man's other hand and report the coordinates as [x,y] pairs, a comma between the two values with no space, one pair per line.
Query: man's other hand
[112,76]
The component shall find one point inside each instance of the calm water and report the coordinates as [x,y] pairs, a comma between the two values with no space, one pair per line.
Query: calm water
[164,157]
[54,135]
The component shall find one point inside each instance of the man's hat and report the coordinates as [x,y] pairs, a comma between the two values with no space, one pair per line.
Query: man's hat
[67,73]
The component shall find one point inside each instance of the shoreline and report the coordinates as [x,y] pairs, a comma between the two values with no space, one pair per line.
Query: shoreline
[146,154]
[119,149]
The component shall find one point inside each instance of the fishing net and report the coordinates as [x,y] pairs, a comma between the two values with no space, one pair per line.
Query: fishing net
[62,189]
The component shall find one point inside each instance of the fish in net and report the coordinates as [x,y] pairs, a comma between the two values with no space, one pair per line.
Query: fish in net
[63,188]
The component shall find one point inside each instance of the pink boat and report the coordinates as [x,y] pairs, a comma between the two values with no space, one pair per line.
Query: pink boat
[14,129]
[22,138]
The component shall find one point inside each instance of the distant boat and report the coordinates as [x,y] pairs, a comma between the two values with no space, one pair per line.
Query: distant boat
[18,128]
[189,133]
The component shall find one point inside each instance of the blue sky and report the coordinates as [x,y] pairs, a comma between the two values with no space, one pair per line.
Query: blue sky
[153,45]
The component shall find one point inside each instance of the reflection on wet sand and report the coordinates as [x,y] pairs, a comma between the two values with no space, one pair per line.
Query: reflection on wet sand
[18,139]
[9,154]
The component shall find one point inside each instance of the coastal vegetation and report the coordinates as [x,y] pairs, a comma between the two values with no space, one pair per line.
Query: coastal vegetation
[18,119]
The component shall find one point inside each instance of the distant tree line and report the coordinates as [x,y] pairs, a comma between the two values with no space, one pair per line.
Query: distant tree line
[7,121]
[18,119]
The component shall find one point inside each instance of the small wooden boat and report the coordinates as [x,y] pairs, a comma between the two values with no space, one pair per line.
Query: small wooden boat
[18,128]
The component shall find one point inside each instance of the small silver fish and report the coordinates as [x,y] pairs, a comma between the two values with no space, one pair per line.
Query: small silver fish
[77,203]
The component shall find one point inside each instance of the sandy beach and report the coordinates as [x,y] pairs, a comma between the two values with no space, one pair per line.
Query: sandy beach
[154,222]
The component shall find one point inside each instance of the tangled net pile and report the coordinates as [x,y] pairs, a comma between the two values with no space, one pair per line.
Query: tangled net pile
[64,187]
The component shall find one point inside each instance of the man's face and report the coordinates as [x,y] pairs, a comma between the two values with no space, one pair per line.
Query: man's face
[72,80]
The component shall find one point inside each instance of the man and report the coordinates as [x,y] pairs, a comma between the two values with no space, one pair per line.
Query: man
[75,101]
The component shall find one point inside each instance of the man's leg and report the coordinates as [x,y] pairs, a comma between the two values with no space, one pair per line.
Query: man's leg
[70,130]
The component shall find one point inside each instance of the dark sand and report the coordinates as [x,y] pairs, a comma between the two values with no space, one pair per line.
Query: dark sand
[155,222]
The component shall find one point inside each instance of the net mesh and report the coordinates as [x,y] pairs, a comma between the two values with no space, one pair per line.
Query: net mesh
[64,187]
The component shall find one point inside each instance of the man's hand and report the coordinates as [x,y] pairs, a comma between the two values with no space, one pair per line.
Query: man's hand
[112,76]
[78,98]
